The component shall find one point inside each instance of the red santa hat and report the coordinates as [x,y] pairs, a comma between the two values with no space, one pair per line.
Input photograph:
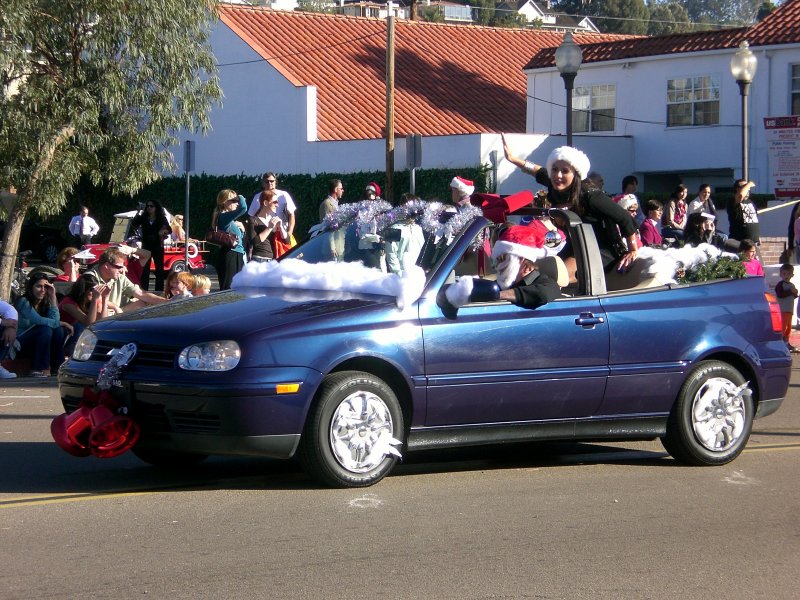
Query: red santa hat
[464,186]
[576,159]
[373,187]
[523,241]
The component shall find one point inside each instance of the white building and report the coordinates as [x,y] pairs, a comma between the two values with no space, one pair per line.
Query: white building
[305,93]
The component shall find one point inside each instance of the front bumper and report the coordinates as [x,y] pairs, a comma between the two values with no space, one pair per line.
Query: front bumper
[235,413]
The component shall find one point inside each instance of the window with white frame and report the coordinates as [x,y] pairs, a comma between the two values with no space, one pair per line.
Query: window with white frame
[594,107]
[795,90]
[693,101]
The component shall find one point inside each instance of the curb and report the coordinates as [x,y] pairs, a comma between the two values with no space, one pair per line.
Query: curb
[32,382]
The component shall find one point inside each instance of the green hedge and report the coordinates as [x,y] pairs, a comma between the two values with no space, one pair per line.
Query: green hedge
[308,191]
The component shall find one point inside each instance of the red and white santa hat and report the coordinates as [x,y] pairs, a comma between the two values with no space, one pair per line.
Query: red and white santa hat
[374,188]
[577,160]
[521,240]
[464,186]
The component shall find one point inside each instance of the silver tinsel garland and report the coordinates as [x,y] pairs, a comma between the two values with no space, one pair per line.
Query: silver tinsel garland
[435,218]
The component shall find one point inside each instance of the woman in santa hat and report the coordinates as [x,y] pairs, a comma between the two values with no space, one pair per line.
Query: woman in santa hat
[563,176]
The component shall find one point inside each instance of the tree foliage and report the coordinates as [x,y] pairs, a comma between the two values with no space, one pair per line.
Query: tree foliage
[667,18]
[627,16]
[96,88]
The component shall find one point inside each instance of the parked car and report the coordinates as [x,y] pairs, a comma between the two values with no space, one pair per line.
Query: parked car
[349,381]
[44,241]
[175,254]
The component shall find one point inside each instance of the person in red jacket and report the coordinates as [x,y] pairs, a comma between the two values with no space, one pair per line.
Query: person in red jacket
[650,228]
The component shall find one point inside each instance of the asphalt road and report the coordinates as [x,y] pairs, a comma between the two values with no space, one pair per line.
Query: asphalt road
[535,521]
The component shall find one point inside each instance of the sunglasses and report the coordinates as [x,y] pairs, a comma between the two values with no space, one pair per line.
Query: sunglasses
[116,266]
[271,180]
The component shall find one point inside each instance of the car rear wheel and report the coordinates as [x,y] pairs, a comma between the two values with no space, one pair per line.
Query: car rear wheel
[354,432]
[712,418]
[166,459]
[178,266]
[48,251]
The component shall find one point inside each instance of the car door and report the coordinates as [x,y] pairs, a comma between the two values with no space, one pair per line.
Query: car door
[500,363]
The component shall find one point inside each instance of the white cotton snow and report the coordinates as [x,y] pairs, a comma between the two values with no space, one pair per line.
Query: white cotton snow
[336,276]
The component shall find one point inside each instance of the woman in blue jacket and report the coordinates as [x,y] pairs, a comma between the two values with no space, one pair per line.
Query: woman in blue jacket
[41,333]
[231,260]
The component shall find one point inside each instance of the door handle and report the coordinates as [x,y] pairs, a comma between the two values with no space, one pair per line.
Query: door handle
[588,320]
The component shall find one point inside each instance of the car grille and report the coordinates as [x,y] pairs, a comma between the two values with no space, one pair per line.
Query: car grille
[189,422]
[155,420]
[146,354]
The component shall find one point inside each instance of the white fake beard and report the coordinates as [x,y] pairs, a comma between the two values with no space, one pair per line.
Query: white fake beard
[507,271]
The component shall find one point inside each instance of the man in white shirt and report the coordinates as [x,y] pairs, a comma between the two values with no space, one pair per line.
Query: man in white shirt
[83,227]
[286,207]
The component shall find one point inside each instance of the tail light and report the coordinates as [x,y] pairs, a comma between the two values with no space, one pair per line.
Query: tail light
[774,313]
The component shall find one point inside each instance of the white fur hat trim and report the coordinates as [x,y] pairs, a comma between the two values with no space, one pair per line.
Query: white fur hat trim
[464,186]
[503,247]
[577,159]
[628,200]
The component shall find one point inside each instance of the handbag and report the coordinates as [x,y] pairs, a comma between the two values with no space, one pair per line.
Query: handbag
[222,238]
[279,247]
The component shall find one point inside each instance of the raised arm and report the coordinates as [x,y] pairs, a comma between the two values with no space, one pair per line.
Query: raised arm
[525,165]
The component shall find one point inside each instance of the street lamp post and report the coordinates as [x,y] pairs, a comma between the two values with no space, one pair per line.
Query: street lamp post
[743,69]
[568,61]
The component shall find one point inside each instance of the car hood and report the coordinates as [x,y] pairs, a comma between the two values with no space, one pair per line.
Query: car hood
[235,312]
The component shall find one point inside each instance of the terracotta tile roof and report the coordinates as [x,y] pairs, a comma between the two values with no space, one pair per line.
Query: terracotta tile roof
[449,79]
[780,27]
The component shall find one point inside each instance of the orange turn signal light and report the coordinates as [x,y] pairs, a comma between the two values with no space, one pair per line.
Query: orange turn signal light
[287,388]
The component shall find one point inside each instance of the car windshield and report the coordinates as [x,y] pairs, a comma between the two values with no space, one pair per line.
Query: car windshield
[386,237]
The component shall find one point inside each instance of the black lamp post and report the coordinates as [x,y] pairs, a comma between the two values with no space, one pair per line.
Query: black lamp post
[568,61]
[743,69]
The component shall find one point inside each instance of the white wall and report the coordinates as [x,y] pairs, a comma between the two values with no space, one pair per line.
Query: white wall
[641,97]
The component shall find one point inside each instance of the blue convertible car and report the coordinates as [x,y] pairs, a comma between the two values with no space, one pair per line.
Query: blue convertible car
[349,377]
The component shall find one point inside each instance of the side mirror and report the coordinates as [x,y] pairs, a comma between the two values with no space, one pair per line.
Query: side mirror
[484,290]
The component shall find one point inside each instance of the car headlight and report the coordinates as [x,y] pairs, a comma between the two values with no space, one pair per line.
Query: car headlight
[85,345]
[210,356]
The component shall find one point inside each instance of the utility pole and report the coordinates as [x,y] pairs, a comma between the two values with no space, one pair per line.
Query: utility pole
[389,188]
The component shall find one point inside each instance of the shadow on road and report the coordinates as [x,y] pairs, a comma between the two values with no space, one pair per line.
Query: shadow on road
[43,468]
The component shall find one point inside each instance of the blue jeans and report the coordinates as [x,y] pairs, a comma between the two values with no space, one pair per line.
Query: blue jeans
[44,346]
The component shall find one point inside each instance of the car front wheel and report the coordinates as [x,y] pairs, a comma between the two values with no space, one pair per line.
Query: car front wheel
[712,418]
[354,433]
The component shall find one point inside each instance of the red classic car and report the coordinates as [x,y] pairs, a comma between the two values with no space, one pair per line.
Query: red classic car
[175,253]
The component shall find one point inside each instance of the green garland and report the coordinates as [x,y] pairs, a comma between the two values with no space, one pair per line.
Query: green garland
[724,267]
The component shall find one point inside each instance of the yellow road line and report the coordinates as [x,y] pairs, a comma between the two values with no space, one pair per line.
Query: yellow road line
[61,499]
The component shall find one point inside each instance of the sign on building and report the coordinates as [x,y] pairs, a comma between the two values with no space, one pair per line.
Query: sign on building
[783,148]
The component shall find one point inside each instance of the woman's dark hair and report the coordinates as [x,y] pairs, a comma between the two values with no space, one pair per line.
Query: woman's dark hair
[678,189]
[694,226]
[80,289]
[44,307]
[575,194]
[159,208]
[652,204]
